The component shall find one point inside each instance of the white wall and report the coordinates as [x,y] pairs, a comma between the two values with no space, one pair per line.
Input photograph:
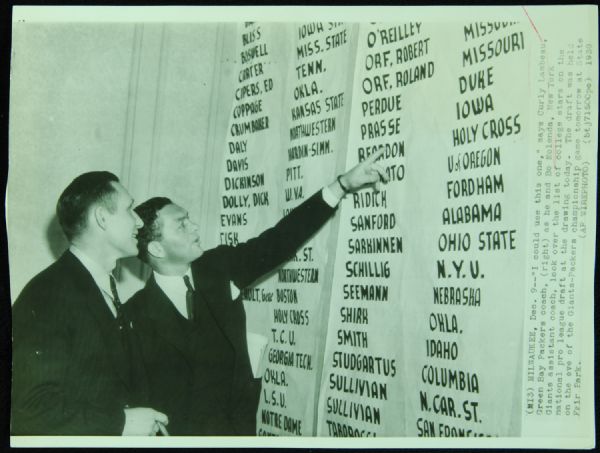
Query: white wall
[128,98]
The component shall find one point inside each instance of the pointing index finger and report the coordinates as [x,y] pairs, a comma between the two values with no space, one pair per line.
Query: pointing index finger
[373,157]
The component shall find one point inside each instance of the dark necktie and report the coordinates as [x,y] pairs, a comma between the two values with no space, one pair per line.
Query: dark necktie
[189,297]
[117,303]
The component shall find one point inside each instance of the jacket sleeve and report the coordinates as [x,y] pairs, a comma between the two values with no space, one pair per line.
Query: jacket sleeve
[250,260]
[41,403]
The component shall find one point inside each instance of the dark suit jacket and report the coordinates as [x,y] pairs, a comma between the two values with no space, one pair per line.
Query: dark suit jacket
[199,372]
[69,365]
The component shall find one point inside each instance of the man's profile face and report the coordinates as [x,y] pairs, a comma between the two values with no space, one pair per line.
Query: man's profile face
[179,236]
[123,223]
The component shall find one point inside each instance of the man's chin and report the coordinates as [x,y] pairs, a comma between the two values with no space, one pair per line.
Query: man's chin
[198,253]
[132,251]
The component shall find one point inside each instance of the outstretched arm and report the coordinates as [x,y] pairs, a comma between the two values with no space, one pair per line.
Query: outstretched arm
[258,256]
[366,172]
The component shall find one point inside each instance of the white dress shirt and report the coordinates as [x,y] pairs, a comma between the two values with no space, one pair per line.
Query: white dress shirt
[100,276]
[174,287]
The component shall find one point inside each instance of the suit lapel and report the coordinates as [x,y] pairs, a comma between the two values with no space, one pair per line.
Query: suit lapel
[93,299]
[208,290]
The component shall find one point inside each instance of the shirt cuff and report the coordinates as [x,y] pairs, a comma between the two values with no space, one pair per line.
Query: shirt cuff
[329,197]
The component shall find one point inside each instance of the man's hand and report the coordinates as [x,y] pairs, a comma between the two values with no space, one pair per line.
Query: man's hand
[142,421]
[366,172]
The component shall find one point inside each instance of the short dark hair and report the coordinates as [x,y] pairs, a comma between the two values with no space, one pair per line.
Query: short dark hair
[148,212]
[84,191]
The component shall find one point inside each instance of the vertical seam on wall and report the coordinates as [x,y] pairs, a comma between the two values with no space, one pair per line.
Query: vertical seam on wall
[129,156]
[210,139]
[209,170]
[130,112]
[128,139]
[214,188]
[217,171]
[160,78]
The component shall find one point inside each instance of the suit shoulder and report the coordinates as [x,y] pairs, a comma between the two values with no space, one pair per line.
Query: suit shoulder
[142,301]
[46,283]
[215,257]
[48,295]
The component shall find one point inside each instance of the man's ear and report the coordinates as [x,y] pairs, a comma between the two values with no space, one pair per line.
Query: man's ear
[99,214]
[156,249]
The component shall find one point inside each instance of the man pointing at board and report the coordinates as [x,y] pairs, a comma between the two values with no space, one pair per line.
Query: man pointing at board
[190,315]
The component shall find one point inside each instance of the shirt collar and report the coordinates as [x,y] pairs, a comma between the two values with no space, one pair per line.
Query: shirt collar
[173,280]
[100,276]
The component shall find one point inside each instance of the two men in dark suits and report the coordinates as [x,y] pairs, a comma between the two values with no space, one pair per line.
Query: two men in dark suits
[190,316]
[74,349]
